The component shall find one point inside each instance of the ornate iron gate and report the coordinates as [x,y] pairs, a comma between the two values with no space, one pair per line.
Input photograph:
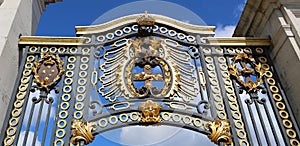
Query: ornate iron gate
[145,70]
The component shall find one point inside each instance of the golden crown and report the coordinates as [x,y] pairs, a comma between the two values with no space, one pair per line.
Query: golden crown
[145,20]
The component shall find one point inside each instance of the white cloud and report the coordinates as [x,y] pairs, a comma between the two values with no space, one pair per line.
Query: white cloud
[224,31]
[237,12]
[242,5]
[161,136]
[29,139]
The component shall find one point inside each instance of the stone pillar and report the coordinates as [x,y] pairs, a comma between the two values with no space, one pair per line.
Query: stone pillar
[17,17]
[280,21]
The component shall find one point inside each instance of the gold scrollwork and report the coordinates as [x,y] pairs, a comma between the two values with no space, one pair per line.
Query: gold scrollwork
[220,131]
[94,78]
[258,71]
[116,108]
[202,79]
[287,123]
[33,49]
[82,131]
[178,105]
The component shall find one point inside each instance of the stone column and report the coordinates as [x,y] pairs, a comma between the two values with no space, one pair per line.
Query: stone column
[17,17]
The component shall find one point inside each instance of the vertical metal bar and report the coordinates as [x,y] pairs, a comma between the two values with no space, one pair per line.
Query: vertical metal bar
[273,104]
[47,121]
[72,101]
[12,100]
[292,116]
[242,110]
[271,124]
[29,123]
[88,84]
[204,67]
[199,82]
[26,98]
[225,100]
[58,101]
[39,118]
[262,122]
[23,114]
[254,125]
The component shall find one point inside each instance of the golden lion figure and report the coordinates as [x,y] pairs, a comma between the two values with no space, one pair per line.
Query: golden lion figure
[150,112]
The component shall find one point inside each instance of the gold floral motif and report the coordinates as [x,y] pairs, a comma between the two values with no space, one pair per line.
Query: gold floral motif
[82,131]
[48,71]
[246,71]
[220,131]
[150,112]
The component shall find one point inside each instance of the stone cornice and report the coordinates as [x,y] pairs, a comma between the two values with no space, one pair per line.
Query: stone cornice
[257,12]
[46,2]
[47,40]
[234,41]
[238,41]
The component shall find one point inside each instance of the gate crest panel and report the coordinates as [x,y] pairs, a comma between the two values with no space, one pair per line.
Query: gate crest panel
[147,70]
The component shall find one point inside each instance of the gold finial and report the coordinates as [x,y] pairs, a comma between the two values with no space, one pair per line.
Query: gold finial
[145,19]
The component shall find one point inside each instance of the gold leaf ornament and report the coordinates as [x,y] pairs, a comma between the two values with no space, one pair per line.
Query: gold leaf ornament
[220,131]
[82,131]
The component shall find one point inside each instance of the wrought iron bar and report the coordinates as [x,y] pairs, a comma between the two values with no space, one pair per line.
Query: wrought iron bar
[266,135]
[34,101]
[248,102]
[42,96]
[225,100]
[50,101]
[204,67]
[271,124]
[72,101]
[61,85]
[239,100]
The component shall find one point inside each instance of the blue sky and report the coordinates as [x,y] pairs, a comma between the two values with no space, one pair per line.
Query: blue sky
[61,18]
